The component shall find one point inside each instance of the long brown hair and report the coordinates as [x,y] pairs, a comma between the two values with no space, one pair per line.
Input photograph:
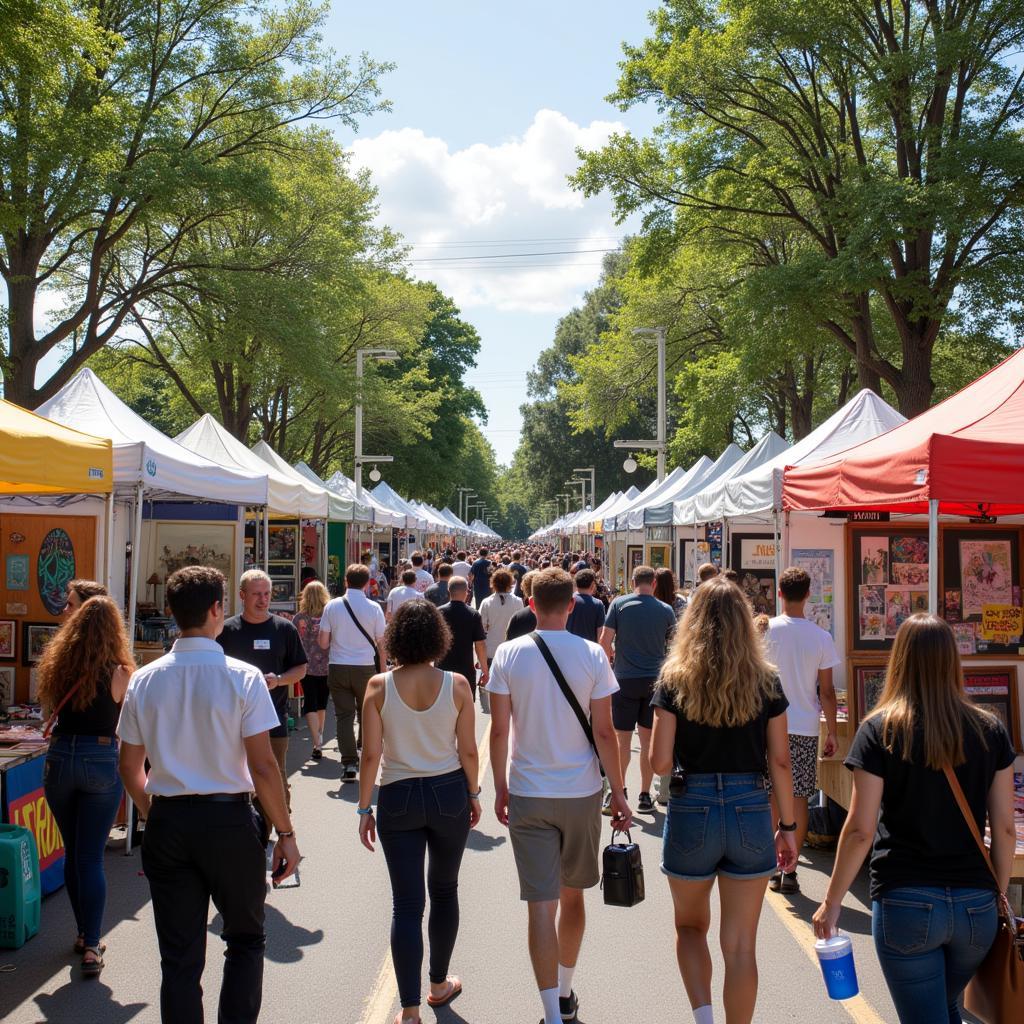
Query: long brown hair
[717,671]
[665,585]
[85,650]
[924,688]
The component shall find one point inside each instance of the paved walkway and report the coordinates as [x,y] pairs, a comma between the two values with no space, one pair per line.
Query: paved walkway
[327,948]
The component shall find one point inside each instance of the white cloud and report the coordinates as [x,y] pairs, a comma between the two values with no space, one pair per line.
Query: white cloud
[484,194]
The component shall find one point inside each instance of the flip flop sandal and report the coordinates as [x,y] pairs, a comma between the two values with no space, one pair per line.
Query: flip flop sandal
[455,988]
[92,968]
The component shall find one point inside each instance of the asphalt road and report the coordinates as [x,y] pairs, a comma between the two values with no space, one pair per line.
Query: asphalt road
[327,949]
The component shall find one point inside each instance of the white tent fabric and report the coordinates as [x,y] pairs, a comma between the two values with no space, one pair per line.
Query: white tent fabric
[658,509]
[597,514]
[760,490]
[380,514]
[206,437]
[145,456]
[339,508]
[482,528]
[361,511]
[620,521]
[435,521]
[394,501]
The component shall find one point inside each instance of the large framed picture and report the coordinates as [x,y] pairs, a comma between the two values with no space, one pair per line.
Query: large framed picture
[35,637]
[995,689]
[8,632]
[180,544]
[282,543]
[7,683]
[868,683]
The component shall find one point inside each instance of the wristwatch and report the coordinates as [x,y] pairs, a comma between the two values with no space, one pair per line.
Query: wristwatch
[787,828]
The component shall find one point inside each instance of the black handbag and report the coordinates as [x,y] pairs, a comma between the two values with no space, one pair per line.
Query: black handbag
[622,875]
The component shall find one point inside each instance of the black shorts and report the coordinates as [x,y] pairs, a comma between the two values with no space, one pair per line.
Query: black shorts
[314,694]
[631,705]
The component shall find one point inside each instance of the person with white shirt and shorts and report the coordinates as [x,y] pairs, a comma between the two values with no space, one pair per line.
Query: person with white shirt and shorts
[805,655]
[551,798]
[203,721]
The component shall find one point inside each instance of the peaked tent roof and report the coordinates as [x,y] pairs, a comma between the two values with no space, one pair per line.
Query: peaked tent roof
[390,498]
[966,453]
[481,527]
[38,456]
[361,512]
[144,455]
[595,515]
[339,508]
[760,490]
[207,437]
[658,510]
[380,514]
[456,522]
[621,518]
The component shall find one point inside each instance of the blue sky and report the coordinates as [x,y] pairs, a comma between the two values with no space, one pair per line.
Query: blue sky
[489,104]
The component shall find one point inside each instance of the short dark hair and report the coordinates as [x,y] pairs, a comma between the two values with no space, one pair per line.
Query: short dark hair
[794,584]
[460,555]
[357,576]
[417,559]
[417,633]
[707,571]
[552,590]
[585,578]
[191,592]
[483,552]
[731,575]
[444,571]
[409,577]
[643,575]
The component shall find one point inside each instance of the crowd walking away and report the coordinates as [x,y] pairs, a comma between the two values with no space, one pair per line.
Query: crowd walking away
[727,712]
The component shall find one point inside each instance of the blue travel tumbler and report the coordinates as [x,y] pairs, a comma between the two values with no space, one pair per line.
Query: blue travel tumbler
[836,958]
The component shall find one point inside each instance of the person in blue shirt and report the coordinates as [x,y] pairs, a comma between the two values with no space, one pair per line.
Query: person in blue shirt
[480,577]
[587,616]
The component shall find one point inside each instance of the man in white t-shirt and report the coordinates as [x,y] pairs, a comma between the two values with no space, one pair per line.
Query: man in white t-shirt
[551,799]
[805,656]
[460,567]
[406,592]
[423,578]
[352,630]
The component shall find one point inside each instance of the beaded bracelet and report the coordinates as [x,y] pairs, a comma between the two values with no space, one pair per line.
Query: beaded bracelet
[364,810]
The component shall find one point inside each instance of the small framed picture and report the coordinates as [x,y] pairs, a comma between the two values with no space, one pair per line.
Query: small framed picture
[282,543]
[7,684]
[995,689]
[283,590]
[281,570]
[8,632]
[35,637]
[869,681]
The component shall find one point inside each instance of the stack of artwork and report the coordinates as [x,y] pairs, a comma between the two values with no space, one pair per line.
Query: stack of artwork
[893,583]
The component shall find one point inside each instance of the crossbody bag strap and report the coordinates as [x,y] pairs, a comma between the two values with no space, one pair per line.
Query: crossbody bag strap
[359,626]
[965,810]
[565,688]
[52,720]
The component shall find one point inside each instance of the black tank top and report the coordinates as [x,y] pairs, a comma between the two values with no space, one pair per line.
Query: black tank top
[98,719]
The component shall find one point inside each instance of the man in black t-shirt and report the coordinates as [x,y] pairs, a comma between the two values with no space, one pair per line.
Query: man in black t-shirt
[271,644]
[468,635]
[587,616]
[480,577]
[518,570]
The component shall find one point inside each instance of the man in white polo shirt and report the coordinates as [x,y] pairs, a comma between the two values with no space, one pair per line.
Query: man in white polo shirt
[551,800]
[203,720]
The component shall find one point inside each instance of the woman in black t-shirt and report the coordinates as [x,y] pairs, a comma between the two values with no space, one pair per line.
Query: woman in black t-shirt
[933,907]
[719,721]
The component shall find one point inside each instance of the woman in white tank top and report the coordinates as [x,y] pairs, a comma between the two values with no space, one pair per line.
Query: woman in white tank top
[419,722]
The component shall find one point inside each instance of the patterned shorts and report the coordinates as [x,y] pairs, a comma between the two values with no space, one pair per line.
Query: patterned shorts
[803,755]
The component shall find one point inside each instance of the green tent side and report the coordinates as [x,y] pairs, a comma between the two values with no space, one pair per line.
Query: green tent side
[337,536]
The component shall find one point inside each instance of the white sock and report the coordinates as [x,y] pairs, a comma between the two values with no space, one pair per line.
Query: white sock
[565,980]
[549,997]
[704,1015]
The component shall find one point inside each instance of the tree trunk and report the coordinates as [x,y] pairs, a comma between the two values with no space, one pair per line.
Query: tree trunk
[915,387]
[863,333]
[20,364]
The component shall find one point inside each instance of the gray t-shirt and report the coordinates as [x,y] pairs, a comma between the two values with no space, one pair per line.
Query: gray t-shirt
[643,626]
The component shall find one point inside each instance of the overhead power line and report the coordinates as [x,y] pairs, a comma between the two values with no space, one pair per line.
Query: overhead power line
[517,241]
[506,255]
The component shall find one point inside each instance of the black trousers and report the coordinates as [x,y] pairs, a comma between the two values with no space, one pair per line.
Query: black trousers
[193,852]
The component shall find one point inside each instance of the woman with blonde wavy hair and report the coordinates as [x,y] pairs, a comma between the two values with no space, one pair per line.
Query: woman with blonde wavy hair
[719,724]
[83,675]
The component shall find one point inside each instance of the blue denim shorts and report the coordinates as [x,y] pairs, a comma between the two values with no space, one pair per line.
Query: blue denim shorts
[720,825]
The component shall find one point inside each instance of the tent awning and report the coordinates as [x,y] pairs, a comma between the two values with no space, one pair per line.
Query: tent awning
[39,456]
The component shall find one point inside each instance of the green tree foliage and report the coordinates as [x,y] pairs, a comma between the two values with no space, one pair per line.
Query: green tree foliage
[128,132]
[884,137]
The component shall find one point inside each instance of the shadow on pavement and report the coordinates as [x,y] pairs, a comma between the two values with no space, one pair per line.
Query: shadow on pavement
[482,842]
[284,939]
[67,1004]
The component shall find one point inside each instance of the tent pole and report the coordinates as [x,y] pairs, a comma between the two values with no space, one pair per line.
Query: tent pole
[133,595]
[787,555]
[108,540]
[933,556]
[266,538]
[778,565]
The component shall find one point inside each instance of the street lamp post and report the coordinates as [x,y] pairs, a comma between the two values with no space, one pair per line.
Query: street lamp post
[593,483]
[582,485]
[464,493]
[383,355]
[658,445]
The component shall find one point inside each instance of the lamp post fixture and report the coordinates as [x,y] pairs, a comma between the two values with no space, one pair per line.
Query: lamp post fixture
[582,485]
[658,445]
[589,470]
[384,355]
[464,493]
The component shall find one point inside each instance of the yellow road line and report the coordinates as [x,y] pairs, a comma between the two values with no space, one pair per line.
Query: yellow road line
[858,1008]
[385,989]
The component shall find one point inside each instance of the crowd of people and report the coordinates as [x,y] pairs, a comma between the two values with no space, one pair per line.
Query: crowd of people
[726,711]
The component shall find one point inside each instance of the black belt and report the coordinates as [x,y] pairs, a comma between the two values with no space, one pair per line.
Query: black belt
[209,798]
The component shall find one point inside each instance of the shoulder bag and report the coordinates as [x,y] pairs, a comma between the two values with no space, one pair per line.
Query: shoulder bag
[568,694]
[995,994]
[369,639]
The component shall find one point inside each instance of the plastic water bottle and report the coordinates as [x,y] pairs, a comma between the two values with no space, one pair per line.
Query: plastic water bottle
[836,958]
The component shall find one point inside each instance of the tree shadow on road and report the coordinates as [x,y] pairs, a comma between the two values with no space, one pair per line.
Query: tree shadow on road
[65,1006]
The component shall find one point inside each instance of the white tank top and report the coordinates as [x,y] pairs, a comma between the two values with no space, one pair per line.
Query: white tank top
[418,744]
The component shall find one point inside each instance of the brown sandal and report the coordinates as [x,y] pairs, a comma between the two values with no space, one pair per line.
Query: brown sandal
[454,989]
[79,946]
[91,968]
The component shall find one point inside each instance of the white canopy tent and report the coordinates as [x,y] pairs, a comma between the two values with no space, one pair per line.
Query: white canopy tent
[339,508]
[484,530]
[620,520]
[380,514]
[385,495]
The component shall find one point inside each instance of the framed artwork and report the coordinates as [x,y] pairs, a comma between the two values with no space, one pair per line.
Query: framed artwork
[7,683]
[34,638]
[868,682]
[634,557]
[282,543]
[281,570]
[283,590]
[660,555]
[16,572]
[55,568]
[995,689]
[8,632]
[819,563]
[752,555]
[693,555]
[181,544]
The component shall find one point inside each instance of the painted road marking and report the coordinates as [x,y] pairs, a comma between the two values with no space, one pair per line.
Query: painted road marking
[385,989]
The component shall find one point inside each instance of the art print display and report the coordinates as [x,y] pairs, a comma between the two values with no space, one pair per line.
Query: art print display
[181,544]
[283,590]
[55,568]
[7,682]
[695,554]
[872,612]
[965,636]
[35,637]
[634,557]
[918,601]
[986,574]
[897,609]
[953,605]
[282,543]
[874,560]
[16,572]
[995,689]
[869,681]
[819,564]
[911,574]
[8,633]
[908,550]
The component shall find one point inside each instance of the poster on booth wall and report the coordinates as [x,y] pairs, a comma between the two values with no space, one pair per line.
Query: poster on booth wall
[986,574]
[757,553]
[819,564]
[871,617]
[24,803]
[874,564]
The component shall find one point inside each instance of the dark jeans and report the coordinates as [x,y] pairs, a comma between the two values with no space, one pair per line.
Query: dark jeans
[83,790]
[416,817]
[194,852]
[930,941]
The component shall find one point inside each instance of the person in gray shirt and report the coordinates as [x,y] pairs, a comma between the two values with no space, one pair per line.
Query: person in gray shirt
[437,593]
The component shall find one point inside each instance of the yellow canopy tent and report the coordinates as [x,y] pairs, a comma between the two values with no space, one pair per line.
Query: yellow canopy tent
[38,456]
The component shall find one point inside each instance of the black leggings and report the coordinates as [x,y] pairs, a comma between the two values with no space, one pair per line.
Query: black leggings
[417,817]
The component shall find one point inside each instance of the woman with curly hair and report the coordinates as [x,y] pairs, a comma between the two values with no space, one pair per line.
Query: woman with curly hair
[719,721]
[83,675]
[420,722]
